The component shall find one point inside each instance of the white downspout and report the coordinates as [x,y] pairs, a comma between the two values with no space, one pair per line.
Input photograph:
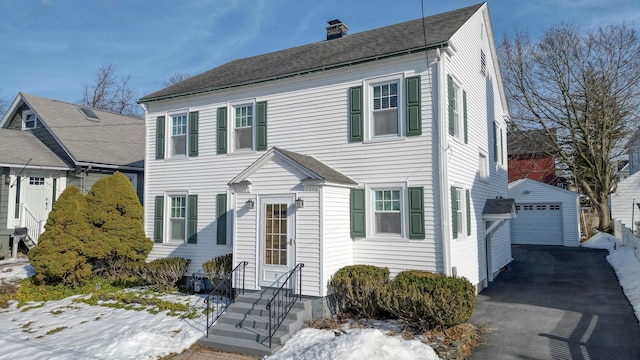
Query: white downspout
[442,165]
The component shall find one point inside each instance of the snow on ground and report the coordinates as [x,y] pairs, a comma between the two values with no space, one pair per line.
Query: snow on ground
[67,330]
[625,264]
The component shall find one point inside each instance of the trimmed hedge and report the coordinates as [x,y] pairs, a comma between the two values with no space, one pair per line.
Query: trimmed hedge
[428,300]
[218,267]
[163,274]
[357,289]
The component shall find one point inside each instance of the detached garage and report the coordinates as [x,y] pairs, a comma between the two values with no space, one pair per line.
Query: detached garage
[546,215]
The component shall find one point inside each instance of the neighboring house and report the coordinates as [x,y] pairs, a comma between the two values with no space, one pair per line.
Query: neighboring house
[385,147]
[624,201]
[623,170]
[547,215]
[530,157]
[47,145]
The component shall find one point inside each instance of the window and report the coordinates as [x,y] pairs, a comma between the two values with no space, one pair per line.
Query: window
[384,109]
[541,207]
[483,166]
[517,207]
[38,181]
[387,212]
[183,135]
[29,120]
[390,211]
[180,218]
[177,218]
[527,207]
[554,207]
[498,144]
[459,210]
[179,134]
[458,199]
[457,110]
[243,128]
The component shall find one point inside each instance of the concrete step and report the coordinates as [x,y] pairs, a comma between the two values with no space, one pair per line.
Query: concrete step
[222,331]
[234,345]
[293,321]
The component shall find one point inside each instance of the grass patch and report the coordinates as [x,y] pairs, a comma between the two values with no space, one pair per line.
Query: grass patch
[58,329]
[8,292]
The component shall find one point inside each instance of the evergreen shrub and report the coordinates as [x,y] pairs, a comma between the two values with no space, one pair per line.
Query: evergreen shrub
[60,256]
[357,289]
[427,300]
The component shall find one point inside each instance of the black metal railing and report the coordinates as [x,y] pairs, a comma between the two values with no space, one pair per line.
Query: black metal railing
[224,293]
[284,298]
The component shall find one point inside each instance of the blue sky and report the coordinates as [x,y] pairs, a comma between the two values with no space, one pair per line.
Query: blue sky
[50,48]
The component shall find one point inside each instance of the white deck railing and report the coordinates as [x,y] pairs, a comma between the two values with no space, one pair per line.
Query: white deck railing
[34,226]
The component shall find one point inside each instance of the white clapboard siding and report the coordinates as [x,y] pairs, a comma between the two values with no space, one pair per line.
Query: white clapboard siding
[623,201]
[337,246]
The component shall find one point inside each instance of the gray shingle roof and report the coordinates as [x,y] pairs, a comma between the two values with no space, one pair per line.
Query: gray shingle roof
[19,147]
[113,140]
[530,142]
[323,171]
[366,46]
[499,207]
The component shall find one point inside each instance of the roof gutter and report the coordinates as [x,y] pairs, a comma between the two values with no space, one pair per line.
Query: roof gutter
[440,45]
[36,167]
[107,166]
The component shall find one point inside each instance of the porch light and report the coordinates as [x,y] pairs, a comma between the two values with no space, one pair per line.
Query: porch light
[250,204]
[299,203]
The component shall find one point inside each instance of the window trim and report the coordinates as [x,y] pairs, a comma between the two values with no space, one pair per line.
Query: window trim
[166,217]
[461,212]
[169,132]
[369,126]
[484,173]
[231,125]
[25,114]
[458,114]
[169,217]
[371,212]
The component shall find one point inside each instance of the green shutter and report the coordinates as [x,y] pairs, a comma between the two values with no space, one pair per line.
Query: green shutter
[413,116]
[261,125]
[192,221]
[501,147]
[221,212]
[454,212]
[160,138]
[158,219]
[451,105]
[468,205]
[464,111]
[358,222]
[495,143]
[221,134]
[356,121]
[416,213]
[193,133]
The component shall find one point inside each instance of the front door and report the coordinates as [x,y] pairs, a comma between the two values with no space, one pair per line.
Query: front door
[277,250]
[37,190]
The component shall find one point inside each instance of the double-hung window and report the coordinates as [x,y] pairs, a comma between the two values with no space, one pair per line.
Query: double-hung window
[457,104]
[175,219]
[178,212]
[460,211]
[388,217]
[384,109]
[243,127]
[178,134]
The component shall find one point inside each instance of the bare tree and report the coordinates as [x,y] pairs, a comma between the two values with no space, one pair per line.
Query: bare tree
[110,91]
[4,105]
[582,90]
[176,78]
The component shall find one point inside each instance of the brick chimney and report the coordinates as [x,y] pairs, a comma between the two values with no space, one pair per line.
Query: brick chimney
[336,29]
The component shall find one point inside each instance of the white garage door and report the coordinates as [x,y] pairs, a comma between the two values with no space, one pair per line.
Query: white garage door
[537,224]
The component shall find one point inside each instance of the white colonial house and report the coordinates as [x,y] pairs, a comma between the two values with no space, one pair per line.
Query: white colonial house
[385,147]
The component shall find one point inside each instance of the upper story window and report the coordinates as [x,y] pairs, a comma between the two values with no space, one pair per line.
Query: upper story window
[385,108]
[483,166]
[243,127]
[457,104]
[179,134]
[182,130]
[498,144]
[29,120]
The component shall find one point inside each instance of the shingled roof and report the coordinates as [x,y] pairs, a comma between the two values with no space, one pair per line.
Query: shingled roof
[530,143]
[112,139]
[372,45]
[22,148]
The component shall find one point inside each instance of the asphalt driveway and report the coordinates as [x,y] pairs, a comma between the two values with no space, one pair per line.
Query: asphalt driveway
[554,302]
